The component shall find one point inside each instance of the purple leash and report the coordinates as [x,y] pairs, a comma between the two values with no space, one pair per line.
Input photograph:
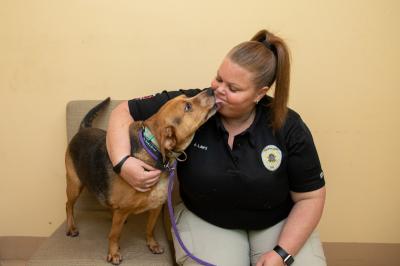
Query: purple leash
[172,217]
[170,208]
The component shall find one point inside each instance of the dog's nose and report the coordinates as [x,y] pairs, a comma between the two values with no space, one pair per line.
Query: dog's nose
[210,92]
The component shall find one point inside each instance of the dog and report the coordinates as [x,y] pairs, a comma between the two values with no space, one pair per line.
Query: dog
[88,164]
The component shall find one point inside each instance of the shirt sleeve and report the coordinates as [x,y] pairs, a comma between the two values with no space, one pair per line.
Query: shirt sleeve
[143,108]
[304,167]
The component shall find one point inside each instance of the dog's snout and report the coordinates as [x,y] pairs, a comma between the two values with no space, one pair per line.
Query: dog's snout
[210,92]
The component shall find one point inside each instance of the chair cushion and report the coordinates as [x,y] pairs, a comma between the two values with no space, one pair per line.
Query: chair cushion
[91,246]
[76,110]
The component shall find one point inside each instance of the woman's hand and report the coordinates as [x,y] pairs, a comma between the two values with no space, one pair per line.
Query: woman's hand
[270,258]
[139,175]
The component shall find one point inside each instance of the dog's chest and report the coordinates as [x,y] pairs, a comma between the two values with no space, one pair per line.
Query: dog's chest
[159,194]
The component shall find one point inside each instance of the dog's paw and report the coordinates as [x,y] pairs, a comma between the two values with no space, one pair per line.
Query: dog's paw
[115,259]
[72,232]
[155,248]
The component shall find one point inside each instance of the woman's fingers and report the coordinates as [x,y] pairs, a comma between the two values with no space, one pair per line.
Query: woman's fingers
[140,175]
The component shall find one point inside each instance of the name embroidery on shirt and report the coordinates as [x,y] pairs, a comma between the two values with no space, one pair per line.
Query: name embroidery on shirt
[201,147]
[145,97]
[271,157]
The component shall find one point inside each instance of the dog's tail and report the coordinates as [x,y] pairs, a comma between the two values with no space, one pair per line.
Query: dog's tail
[91,115]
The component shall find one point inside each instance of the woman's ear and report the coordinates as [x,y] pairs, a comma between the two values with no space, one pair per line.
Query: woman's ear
[261,93]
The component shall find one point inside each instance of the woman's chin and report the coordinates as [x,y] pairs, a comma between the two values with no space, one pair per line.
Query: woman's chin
[222,110]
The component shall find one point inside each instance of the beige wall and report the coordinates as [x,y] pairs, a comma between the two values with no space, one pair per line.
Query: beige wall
[345,83]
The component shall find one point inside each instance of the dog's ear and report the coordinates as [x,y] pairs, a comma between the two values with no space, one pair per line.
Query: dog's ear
[168,140]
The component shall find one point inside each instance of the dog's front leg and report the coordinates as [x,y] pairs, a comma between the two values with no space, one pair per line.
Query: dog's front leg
[118,219]
[151,242]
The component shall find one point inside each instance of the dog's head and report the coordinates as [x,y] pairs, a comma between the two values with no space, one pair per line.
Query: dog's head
[175,124]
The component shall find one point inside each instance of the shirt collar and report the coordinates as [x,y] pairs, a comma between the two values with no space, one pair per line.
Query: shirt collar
[261,108]
[220,126]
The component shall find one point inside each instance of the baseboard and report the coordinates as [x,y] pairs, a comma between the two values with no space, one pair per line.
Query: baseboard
[337,253]
[19,247]
[361,254]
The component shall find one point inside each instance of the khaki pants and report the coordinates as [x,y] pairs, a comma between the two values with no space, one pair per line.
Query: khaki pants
[226,247]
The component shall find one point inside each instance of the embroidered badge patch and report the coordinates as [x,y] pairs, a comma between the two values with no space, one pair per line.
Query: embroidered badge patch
[271,157]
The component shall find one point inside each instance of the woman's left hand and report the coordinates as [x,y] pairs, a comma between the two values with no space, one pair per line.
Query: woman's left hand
[270,258]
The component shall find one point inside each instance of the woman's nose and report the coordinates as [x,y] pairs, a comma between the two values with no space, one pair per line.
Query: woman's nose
[214,84]
[219,89]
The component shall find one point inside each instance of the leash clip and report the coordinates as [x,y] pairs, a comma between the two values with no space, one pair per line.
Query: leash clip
[170,168]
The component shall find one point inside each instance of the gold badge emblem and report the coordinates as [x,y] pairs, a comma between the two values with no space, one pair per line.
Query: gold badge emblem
[271,157]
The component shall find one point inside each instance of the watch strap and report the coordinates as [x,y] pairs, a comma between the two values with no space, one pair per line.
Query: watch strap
[286,257]
[118,166]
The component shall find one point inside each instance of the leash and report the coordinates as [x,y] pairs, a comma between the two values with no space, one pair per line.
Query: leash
[173,223]
[171,176]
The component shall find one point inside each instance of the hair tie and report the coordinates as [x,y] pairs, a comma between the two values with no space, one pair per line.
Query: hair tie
[269,45]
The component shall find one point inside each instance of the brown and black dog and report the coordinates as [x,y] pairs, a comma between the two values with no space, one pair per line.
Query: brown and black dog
[88,165]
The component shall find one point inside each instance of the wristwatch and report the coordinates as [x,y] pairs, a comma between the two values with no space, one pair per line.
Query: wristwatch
[287,258]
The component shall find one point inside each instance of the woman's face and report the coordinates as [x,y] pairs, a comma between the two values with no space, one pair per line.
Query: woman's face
[234,90]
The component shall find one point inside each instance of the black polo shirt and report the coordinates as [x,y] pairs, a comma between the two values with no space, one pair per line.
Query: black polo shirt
[248,186]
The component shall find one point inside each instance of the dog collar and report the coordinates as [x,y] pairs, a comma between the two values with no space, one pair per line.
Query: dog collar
[150,145]
[150,141]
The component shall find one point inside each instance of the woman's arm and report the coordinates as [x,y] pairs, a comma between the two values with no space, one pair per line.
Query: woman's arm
[139,175]
[301,222]
[118,143]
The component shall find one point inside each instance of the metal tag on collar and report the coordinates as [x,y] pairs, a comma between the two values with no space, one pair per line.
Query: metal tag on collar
[169,167]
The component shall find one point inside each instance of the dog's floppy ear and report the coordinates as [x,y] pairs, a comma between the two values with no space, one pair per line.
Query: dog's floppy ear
[168,140]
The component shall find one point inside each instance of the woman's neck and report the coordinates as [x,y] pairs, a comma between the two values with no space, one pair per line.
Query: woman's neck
[238,124]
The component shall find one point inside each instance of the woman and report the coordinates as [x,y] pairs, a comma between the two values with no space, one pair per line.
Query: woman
[252,187]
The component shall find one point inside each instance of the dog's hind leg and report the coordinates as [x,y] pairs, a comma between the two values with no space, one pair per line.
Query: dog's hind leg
[153,245]
[118,220]
[74,189]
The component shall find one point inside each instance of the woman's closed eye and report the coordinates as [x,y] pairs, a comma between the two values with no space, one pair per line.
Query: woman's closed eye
[233,89]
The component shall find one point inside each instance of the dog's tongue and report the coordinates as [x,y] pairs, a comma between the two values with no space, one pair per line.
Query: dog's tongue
[217,100]
[218,103]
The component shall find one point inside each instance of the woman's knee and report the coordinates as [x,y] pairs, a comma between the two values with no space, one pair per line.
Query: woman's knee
[311,253]
[209,243]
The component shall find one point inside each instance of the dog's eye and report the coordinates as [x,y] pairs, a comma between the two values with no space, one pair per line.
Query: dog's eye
[188,107]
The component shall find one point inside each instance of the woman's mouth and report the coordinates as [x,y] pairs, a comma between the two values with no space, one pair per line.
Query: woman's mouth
[218,100]
[218,103]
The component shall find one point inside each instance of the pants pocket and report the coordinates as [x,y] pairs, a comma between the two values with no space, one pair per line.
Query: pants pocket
[178,212]
[316,246]
[312,253]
